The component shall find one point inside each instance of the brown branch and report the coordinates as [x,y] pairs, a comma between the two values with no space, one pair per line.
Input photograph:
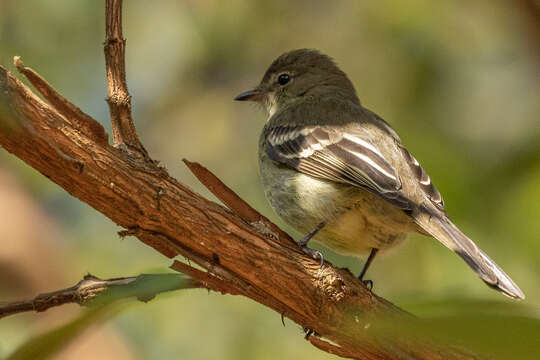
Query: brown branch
[330,348]
[236,203]
[92,290]
[72,113]
[238,256]
[119,100]
[207,279]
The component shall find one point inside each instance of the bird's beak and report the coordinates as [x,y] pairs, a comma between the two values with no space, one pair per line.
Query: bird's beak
[251,95]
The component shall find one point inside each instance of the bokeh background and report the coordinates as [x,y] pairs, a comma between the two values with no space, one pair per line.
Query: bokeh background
[459,81]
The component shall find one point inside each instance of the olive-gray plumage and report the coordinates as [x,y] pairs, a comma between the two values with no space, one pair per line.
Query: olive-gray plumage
[325,159]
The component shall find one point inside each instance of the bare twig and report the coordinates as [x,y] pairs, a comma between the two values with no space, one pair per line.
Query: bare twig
[236,203]
[119,100]
[223,193]
[72,113]
[208,280]
[92,290]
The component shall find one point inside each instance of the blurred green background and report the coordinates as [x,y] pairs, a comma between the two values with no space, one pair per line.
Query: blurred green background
[459,81]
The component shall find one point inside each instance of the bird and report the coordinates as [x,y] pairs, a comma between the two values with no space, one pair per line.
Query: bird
[338,173]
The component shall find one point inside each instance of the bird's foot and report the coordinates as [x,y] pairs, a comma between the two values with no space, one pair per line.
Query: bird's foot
[304,241]
[309,332]
[368,283]
[313,253]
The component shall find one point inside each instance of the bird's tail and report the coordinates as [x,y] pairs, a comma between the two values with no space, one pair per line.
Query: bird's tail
[450,236]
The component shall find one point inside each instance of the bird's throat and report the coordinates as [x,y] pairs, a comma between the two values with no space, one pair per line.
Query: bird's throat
[271,105]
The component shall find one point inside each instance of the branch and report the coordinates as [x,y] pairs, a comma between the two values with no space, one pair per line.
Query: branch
[71,113]
[330,348]
[119,100]
[92,290]
[237,204]
[238,249]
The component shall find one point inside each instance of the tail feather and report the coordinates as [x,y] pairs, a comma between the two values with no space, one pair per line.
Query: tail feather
[450,236]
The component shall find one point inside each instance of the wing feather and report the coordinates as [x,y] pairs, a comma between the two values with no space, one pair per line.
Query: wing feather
[344,157]
[424,180]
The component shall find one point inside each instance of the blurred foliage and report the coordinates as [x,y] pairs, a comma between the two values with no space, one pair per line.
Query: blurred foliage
[496,335]
[493,329]
[490,328]
[457,80]
[49,344]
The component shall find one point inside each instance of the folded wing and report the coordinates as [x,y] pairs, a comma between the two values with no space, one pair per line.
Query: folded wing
[329,153]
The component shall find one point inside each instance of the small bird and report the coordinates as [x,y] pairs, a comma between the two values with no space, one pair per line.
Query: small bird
[339,173]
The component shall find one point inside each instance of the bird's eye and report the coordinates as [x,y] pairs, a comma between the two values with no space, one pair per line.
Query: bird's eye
[283,79]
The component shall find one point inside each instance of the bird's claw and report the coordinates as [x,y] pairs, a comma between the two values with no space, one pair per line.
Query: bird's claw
[368,284]
[315,254]
[310,332]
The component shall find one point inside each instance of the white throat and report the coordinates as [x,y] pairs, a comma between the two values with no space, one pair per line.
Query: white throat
[271,105]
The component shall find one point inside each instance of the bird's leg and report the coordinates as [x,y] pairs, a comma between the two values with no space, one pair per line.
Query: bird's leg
[304,241]
[315,254]
[372,254]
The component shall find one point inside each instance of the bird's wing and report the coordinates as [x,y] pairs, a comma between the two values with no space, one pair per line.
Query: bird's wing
[423,181]
[330,153]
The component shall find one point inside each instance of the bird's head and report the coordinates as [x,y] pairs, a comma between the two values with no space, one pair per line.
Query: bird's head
[298,74]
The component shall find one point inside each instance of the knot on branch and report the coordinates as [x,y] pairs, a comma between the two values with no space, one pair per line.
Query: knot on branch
[114,40]
[117,98]
[332,286]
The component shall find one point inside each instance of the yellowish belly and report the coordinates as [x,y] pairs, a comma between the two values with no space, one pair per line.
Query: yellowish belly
[356,220]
